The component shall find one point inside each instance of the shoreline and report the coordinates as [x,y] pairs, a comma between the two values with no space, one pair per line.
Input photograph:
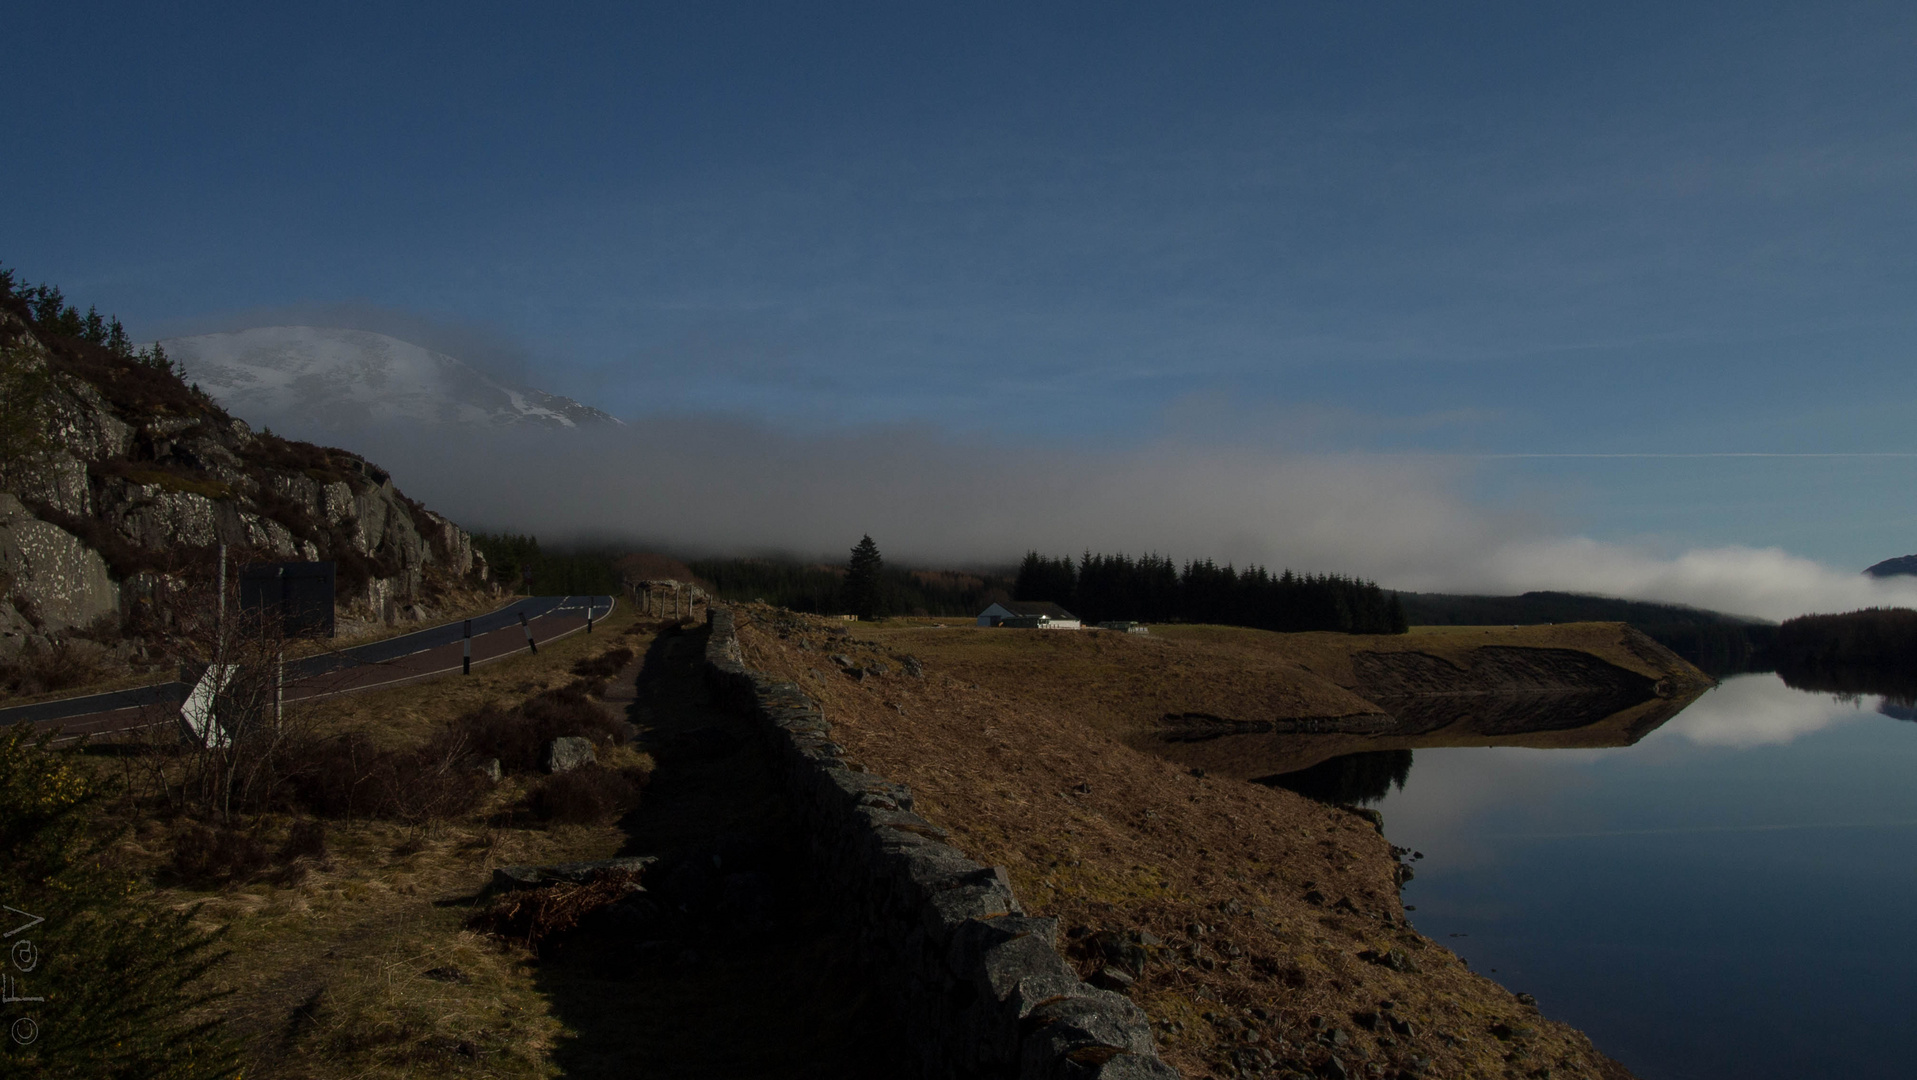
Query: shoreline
[1259,930]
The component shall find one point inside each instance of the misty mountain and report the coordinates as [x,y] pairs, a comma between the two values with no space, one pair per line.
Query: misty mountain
[329,378]
[1902,564]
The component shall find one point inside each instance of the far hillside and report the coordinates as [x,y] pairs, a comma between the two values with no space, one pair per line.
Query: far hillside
[1873,651]
[1717,643]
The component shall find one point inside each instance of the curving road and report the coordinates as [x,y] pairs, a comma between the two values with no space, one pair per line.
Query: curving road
[422,654]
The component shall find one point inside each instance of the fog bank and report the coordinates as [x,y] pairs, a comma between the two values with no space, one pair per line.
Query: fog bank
[725,485]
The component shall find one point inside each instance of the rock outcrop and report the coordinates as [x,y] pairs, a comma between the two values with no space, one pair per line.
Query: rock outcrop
[123,482]
[59,581]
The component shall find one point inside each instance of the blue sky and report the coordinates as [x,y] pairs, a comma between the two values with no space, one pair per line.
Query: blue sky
[1318,229]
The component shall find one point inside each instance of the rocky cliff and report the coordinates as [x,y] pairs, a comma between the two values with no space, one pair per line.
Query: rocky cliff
[119,482]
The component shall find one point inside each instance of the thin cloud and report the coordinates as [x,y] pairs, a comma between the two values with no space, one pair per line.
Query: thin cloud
[715,484]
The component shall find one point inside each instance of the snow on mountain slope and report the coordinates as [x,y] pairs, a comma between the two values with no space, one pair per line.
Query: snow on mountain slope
[327,378]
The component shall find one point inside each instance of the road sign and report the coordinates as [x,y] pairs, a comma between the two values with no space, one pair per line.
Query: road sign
[301,593]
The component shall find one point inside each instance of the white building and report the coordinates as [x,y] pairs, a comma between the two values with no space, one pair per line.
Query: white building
[1028,615]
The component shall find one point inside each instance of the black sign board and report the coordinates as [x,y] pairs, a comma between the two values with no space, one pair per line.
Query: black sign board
[301,593]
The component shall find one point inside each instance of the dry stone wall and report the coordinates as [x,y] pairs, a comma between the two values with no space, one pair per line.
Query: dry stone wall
[978,985]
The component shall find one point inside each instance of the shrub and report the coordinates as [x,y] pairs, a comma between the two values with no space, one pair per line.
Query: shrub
[204,856]
[518,737]
[347,776]
[605,665]
[120,979]
[586,795]
[60,667]
[306,838]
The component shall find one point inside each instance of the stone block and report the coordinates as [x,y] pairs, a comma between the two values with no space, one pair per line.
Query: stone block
[1023,973]
[1097,1018]
[568,752]
[970,940]
[876,817]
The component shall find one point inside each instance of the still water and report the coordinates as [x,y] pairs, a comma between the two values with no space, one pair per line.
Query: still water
[1730,897]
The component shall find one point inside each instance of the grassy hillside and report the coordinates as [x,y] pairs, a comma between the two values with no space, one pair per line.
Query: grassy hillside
[1718,643]
[1261,919]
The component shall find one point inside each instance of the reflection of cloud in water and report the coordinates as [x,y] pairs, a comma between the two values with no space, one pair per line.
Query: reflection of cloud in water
[1452,790]
[1469,802]
[1758,710]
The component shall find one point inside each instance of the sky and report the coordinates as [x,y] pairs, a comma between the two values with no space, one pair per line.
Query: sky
[1635,276]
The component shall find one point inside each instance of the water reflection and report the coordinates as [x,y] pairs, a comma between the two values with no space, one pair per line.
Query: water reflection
[1286,752]
[1892,682]
[1761,710]
[1365,777]
[1721,898]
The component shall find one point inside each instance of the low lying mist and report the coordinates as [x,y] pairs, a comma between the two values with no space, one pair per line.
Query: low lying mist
[716,485]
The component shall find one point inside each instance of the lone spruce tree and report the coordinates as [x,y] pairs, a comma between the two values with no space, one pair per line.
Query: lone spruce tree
[861,588]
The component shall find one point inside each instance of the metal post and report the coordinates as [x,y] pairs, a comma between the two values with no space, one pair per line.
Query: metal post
[279,691]
[219,612]
[466,661]
[530,644]
[589,601]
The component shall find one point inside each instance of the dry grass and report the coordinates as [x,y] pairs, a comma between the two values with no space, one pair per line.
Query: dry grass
[407,714]
[351,958]
[1269,909]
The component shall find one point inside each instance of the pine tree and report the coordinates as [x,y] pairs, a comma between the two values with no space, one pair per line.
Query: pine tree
[122,982]
[24,423]
[861,586]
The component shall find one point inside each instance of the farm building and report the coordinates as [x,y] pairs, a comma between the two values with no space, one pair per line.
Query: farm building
[1028,615]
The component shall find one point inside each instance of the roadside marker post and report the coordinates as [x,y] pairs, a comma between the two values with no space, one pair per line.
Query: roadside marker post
[524,625]
[466,661]
[588,615]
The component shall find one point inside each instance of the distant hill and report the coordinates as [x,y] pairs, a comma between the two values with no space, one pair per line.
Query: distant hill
[329,378]
[1718,643]
[1902,564]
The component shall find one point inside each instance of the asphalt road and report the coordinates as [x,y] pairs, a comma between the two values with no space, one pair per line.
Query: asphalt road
[422,654]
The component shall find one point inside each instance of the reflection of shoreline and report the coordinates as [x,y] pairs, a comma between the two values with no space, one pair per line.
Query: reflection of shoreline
[1537,719]
[1895,682]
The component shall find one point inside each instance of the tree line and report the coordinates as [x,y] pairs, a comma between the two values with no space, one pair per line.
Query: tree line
[510,557]
[46,307]
[1153,588]
[865,586]
[1873,651]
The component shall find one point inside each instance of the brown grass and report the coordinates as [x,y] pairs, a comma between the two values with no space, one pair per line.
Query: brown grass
[1267,907]
[588,795]
[350,955]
